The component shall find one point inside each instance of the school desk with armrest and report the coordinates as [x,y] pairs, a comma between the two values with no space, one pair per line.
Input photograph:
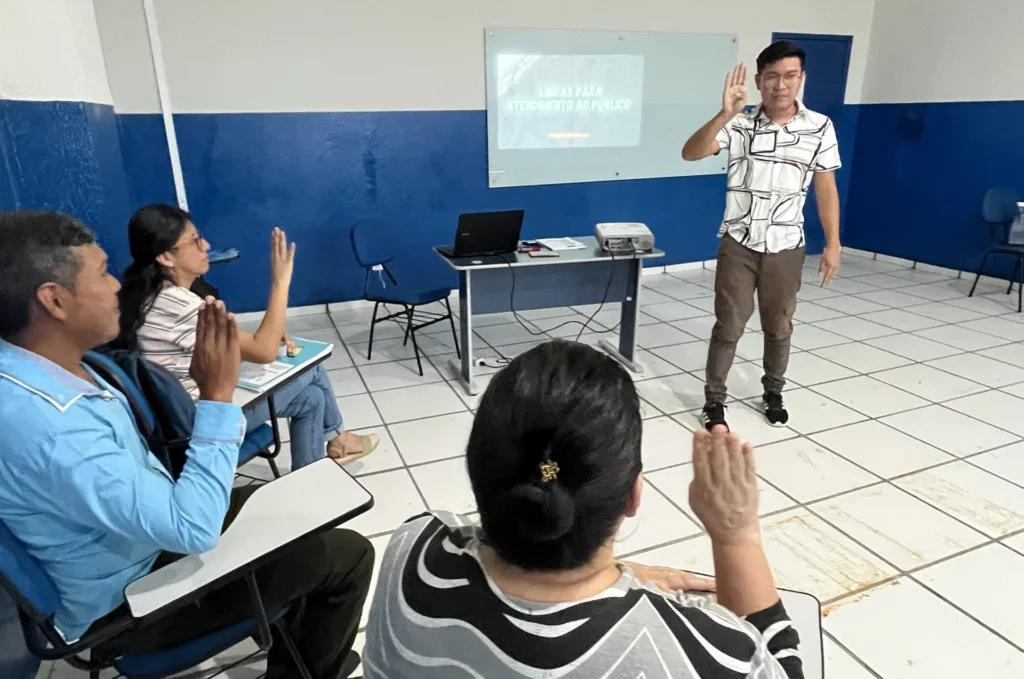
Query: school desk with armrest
[280,514]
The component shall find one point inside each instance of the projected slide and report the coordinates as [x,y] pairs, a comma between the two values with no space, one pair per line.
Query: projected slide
[569,101]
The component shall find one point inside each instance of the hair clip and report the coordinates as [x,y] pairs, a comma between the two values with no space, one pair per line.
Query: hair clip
[548,471]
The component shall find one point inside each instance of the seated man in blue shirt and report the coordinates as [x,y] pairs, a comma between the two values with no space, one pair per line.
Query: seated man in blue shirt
[80,488]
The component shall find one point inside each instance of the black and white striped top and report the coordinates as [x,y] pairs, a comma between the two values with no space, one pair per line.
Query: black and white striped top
[168,333]
[435,614]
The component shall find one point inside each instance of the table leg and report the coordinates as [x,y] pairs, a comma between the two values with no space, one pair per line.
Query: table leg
[466,332]
[625,353]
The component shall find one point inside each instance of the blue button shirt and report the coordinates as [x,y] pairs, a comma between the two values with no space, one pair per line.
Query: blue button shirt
[80,488]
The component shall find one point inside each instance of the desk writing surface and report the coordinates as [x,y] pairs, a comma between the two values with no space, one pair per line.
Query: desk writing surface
[243,397]
[805,612]
[288,508]
[591,253]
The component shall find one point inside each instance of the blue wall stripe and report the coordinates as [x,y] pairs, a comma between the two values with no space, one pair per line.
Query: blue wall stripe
[921,171]
[147,160]
[67,156]
[317,173]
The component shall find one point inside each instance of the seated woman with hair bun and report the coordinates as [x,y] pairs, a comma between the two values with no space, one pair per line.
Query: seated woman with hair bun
[536,590]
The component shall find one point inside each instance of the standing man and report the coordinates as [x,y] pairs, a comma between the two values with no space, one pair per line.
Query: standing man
[775,151]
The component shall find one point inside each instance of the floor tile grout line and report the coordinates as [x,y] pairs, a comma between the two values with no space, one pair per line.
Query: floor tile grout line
[942,597]
[911,573]
[844,647]
[387,427]
[899,572]
[1006,544]
[882,481]
[901,288]
[807,505]
[796,503]
[747,401]
[370,394]
[959,351]
[963,352]
[809,436]
[858,373]
[966,458]
[887,308]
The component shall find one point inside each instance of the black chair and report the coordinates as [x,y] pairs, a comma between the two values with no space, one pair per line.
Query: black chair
[999,208]
[373,241]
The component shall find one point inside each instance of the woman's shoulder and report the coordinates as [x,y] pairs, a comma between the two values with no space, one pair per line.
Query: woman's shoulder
[176,301]
[447,524]
[429,531]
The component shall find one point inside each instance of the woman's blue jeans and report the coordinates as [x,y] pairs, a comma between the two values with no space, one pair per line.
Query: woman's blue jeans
[313,415]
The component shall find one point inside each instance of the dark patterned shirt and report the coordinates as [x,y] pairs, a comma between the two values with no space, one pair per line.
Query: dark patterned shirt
[436,615]
[770,170]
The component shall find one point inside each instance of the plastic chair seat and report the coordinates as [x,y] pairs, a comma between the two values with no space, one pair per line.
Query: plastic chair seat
[189,654]
[409,296]
[1008,249]
[255,442]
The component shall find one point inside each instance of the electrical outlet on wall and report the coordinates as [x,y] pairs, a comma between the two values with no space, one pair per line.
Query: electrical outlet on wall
[378,267]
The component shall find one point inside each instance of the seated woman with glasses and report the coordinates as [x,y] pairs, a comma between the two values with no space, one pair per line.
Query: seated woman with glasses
[158,319]
[536,590]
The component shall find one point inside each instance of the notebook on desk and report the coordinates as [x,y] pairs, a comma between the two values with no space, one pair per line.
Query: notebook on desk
[258,378]
[305,349]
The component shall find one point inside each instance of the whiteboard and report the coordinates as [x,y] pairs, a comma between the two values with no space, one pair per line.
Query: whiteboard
[566,106]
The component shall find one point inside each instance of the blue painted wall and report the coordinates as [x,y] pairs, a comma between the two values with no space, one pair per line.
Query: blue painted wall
[921,171]
[66,156]
[61,156]
[317,173]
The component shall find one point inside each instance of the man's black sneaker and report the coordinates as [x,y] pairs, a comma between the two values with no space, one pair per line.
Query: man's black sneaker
[775,410]
[714,415]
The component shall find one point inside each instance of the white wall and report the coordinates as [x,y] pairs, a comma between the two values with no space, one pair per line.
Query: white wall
[122,27]
[331,55]
[946,50]
[50,51]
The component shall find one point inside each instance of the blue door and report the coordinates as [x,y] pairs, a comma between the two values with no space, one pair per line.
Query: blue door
[828,63]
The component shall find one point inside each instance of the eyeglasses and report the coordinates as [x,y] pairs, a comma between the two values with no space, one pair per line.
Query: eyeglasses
[195,240]
[788,79]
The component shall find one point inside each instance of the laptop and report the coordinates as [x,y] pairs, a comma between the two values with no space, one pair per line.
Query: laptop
[486,233]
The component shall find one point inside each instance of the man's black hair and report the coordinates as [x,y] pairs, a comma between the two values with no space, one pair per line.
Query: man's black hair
[37,249]
[777,51]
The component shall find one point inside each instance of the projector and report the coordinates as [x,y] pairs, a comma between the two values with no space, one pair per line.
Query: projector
[624,237]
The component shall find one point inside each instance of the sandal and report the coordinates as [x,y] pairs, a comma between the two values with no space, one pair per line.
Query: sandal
[367,444]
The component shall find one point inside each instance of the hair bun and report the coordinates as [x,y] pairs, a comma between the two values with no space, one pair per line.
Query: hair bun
[540,512]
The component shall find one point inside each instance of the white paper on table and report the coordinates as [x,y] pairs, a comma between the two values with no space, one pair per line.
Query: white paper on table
[255,376]
[559,244]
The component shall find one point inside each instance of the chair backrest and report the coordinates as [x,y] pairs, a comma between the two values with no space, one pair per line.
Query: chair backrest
[373,241]
[110,371]
[999,206]
[164,410]
[25,580]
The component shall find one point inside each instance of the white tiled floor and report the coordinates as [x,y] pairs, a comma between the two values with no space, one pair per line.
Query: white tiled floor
[896,496]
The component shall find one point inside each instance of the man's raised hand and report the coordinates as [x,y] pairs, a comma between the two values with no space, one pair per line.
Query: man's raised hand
[734,97]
